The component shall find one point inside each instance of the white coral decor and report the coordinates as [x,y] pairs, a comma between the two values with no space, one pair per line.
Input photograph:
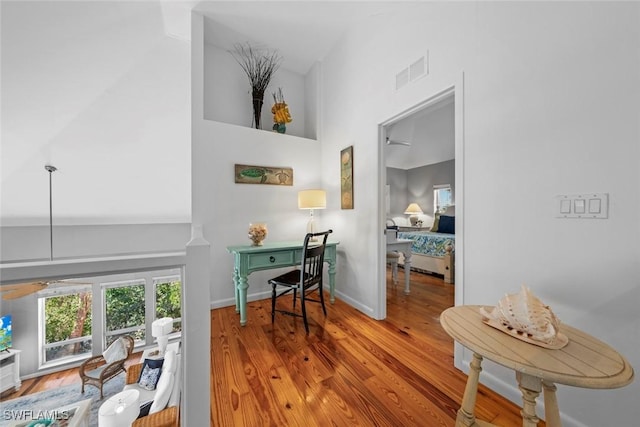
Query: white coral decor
[524,314]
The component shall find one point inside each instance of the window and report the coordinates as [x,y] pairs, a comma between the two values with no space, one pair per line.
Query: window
[168,299]
[441,198]
[110,306]
[124,309]
[65,331]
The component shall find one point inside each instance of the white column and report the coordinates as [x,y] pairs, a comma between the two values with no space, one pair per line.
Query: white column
[196,332]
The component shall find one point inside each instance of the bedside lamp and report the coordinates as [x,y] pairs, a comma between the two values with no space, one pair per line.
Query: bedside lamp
[160,329]
[120,410]
[312,199]
[413,209]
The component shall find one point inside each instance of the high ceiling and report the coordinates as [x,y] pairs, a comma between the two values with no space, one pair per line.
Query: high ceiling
[302,31]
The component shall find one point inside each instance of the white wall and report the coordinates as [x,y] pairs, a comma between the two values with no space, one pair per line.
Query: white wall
[99,90]
[551,107]
[71,241]
[225,208]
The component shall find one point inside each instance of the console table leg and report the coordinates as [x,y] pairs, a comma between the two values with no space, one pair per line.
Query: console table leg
[236,281]
[466,416]
[551,408]
[530,387]
[243,284]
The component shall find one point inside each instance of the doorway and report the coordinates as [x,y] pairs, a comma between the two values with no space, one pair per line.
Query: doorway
[391,133]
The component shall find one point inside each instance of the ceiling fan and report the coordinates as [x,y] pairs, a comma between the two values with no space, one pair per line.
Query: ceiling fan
[394,142]
[19,290]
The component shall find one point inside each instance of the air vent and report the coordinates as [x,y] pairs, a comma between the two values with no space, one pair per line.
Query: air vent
[402,78]
[419,68]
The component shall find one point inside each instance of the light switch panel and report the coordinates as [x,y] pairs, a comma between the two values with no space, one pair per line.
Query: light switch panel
[586,205]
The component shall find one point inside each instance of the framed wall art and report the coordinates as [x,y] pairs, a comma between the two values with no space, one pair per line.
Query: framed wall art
[248,174]
[346,178]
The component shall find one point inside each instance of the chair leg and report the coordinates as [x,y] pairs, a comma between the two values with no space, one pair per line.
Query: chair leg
[295,290]
[304,310]
[273,302]
[394,272]
[324,310]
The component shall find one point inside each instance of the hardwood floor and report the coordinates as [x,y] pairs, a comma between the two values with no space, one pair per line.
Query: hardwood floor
[350,370]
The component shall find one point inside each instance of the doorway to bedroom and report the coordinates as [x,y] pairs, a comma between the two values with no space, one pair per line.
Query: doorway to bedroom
[421,172]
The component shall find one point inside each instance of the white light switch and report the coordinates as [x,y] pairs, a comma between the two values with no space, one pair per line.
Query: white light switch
[587,205]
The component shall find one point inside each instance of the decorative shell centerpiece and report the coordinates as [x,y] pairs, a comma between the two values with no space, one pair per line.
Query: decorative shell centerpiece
[525,317]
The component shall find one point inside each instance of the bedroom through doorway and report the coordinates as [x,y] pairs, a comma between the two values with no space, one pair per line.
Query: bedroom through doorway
[422,192]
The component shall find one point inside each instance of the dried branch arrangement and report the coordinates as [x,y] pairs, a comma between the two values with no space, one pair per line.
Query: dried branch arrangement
[259,65]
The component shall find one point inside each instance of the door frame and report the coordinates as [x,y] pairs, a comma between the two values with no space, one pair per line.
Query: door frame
[457,90]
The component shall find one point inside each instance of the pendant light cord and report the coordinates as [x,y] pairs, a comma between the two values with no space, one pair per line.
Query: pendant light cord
[50,169]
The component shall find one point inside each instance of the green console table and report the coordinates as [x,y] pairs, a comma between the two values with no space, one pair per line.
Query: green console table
[247,259]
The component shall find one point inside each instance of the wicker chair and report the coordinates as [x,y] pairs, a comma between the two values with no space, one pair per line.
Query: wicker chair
[168,417]
[96,371]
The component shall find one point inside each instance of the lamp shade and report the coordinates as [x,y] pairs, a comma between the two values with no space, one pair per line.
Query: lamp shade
[120,410]
[312,199]
[413,209]
[161,327]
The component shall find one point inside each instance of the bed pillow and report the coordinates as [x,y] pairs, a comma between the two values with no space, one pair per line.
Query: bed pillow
[150,373]
[436,221]
[447,224]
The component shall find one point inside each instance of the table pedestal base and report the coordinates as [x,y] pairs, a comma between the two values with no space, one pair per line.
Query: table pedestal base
[530,387]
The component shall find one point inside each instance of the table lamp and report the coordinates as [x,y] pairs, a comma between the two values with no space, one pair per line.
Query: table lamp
[413,209]
[120,410]
[160,329]
[312,199]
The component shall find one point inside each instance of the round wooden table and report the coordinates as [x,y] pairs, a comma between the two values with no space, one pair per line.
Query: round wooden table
[584,362]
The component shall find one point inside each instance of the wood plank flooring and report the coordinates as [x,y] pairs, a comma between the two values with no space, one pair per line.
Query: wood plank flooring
[350,370]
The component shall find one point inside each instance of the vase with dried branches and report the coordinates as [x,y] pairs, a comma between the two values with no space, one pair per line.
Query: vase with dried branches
[259,65]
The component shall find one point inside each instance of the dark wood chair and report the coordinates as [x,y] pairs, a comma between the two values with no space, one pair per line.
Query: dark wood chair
[96,371]
[305,279]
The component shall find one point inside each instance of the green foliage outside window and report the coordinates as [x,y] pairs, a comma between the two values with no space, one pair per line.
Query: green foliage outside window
[68,316]
[168,301]
[125,309]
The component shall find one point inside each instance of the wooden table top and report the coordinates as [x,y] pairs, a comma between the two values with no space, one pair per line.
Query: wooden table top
[584,362]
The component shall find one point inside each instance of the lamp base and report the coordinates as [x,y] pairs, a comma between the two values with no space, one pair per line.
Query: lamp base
[311,226]
[163,340]
[413,219]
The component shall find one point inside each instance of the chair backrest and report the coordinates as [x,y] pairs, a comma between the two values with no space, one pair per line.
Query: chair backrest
[128,342]
[313,258]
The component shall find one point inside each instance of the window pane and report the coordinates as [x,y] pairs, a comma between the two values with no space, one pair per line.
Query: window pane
[67,317]
[441,199]
[67,350]
[124,308]
[168,302]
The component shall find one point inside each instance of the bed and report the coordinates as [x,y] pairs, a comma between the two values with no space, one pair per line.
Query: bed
[431,252]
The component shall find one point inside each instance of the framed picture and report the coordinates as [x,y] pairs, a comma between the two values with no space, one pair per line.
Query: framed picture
[248,174]
[346,178]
